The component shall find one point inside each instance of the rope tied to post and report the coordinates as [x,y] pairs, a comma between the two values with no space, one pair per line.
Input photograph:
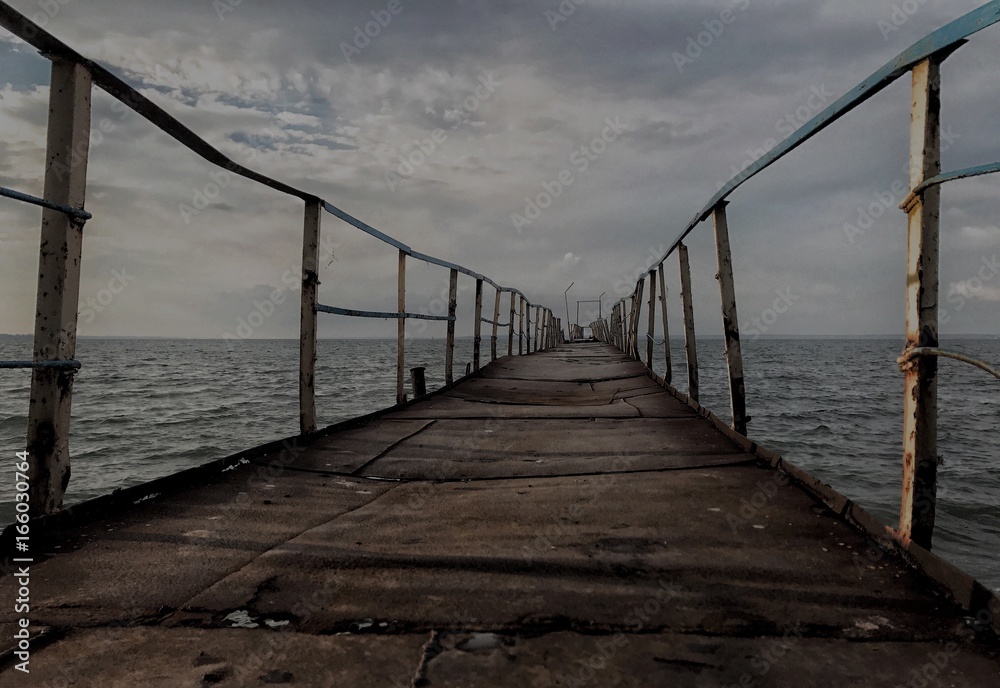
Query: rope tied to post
[906,361]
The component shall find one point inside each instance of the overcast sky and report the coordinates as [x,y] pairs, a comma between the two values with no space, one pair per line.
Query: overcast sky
[616,98]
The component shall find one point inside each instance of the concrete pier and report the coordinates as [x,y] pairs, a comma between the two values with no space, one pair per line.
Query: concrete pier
[559,519]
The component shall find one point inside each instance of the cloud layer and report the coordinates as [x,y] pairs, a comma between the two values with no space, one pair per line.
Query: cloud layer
[453,119]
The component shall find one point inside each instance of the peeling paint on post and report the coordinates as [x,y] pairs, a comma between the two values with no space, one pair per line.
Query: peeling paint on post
[538,324]
[668,375]
[496,321]
[690,345]
[651,324]
[730,320]
[510,330]
[58,293]
[640,289]
[308,316]
[478,337]
[401,329]
[520,328]
[449,353]
[920,458]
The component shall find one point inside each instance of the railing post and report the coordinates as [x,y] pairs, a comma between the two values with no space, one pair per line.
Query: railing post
[618,325]
[308,317]
[730,320]
[496,320]
[449,352]
[538,324]
[668,375]
[58,295]
[478,339]
[651,326]
[520,328]
[690,345]
[401,329]
[920,459]
[510,330]
[527,325]
[640,288]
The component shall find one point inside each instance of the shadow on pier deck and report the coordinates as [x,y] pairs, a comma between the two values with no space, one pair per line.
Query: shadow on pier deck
[558,520]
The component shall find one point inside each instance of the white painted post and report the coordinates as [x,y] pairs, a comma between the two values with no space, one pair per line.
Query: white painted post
[58,295]
[920,457]
[690,345]
[651,325]
[520,328]
[668,375]
[401,329]
[639,290]
[730,320]
[308,317]
[496,321]
[538,326]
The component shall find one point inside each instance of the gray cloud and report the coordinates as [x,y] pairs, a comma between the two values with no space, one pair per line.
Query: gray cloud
[270,85]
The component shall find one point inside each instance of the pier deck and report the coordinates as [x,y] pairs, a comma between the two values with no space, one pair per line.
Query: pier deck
[558,520]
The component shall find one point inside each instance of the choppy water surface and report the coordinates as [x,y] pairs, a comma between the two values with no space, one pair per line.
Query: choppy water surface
[147,408]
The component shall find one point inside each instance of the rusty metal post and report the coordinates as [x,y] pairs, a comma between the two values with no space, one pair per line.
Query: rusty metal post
[520,328]
[510,330]
[690,345]
[538,323]
[478,338]
[449,352]
[618,325]
[401,329]
[651,324]
[668,375]
[730,320]
[58,295]
[527,325]
[920,457]
[308,317]
[640,288]
[496,320]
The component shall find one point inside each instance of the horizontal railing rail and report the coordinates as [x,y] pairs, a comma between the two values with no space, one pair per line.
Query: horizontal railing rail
[922,205]
[54,364]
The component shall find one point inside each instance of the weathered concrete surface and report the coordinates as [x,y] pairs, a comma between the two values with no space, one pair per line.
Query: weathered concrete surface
[543,536]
